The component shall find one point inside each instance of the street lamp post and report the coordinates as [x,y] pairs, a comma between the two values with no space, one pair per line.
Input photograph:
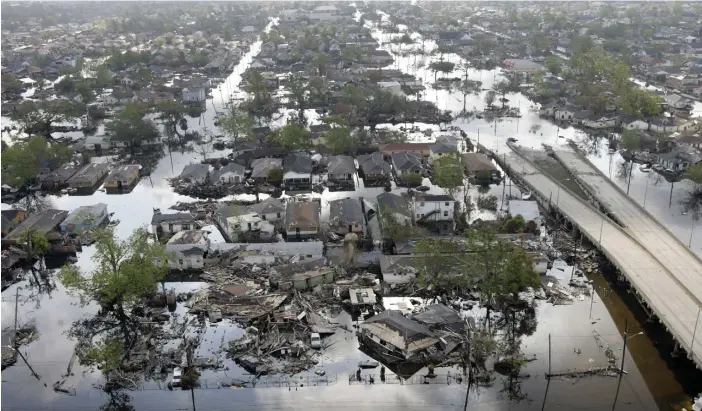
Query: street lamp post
[601,227]
[621,369]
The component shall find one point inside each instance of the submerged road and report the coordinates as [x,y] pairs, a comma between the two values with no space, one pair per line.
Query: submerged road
[674,304]
[680,262]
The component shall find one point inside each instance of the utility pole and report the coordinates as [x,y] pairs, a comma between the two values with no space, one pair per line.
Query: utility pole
[189,357]
[548,376]
[470,374]
[621,368]
[14,337]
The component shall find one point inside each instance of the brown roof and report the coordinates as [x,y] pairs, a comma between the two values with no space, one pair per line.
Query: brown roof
[302,215]
[405,146]
[478,162]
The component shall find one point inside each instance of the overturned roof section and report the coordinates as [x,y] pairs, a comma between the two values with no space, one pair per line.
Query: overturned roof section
[440,316]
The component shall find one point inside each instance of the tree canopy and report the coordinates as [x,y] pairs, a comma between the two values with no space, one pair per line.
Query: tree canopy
[448,172]
[339,138]
[236,124]
[292,136]
[37,117]
[131,127]
[22,161]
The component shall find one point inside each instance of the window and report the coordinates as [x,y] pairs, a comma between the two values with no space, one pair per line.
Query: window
[418,215]
[263,216]
[446,204]
[170,227]
[186,226]
[180,262]
[278,215]
[237,226]
[445,213]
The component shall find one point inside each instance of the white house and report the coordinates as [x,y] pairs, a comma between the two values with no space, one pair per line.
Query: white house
[430,207]
[600,122]
[232,173]
[270,209]
[126,81]
[171,223]
[564,113]
[194,94]
[187,250]
[324,13]
[636,124]
[392,86]
[249,223]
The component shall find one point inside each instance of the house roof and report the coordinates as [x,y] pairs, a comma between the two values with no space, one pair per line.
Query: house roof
[374,163]
[188,237]
[302,215]
[172,218]
[439,315]
[478,162]
[341,165]
[442,148]
[62,173]
[85,213]
[298,163]
[42,222]
[345,211]
[405,147]
[195,171]
[433,197]
[123,172]
[409,331]
[407,161]
[262,166]
[9,215]
[92,169]
[269,206]
[394,202]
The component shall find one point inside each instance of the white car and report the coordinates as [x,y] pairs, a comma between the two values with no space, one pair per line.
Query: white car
[177,375]
[315,341]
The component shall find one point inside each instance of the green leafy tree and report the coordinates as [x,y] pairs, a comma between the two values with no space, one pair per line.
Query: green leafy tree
[448,173]
[125,272]
[38,117]
[275,175]
[293,136]
[299,96]
[131,127]
[395,228]
[554,65]
[257,86]
[640,103]
[11,84]
[171,113]
[22,161]
[441,66]
[490,98]
[339,138]
[35,243]
[85,92]
[515,225]
[322,61]
[236,124]
[412,179]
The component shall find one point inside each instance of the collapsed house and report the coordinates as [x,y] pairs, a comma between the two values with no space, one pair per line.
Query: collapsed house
[398,339]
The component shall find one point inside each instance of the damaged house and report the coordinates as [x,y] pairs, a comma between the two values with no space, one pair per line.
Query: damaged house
[188,250]
[169,224]
[302,221]
[346,216]
[397,339]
